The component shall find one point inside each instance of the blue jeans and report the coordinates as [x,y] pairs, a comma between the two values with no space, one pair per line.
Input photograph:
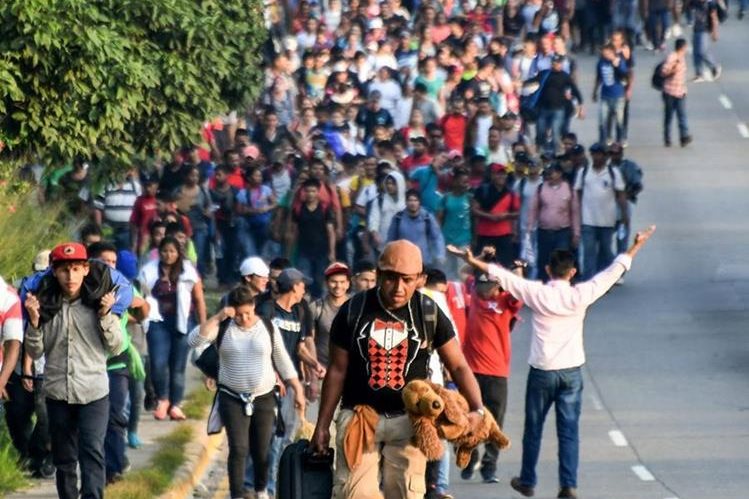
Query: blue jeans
[201,239]
[563,388]
[314,268]
[226,266]
[673,105]
[114,443]
[550,119]
[168,350]
[701,52]
[252,237]
[611,109]
[548,241]
[659,21]
[597,249]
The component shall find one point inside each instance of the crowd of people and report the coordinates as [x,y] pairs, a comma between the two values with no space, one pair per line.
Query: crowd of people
[386,132]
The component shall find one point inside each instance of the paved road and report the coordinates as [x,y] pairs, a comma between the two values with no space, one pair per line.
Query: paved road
[668,352]
[666,399]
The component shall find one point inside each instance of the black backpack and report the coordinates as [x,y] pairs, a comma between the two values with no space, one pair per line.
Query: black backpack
[208,360]
[657,81]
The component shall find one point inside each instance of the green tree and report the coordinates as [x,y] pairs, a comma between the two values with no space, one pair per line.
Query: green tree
[114,78]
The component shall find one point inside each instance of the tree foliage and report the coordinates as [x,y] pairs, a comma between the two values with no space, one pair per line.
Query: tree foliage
[115,78]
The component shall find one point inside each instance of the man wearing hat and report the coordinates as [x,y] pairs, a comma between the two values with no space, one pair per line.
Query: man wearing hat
[292,318]
[380,340]
[601,191]
[75,327]
[255,274]
[555,211]
[495,208]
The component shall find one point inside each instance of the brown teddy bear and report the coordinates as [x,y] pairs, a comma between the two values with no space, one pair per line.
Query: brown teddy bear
[437,413]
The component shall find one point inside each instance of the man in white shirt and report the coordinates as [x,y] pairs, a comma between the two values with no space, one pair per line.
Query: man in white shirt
[556,354]
[600,190]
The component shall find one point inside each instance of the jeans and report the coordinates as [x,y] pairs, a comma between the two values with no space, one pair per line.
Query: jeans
[121,236]
[77,432]
[248,435]
[226,266]
[673,104]
[137,393]
[30,440]
[168,350]
[314,268]
[701,53]
[278,444]
[494,394]
[659,21]
[623,231]
[201,239]
[252,237]
[114,442]
[438,474]
[611,109]
[548,241]
[550,119]
[563,388]
[597,249]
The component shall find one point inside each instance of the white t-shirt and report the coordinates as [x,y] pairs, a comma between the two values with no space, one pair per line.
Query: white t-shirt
[598,204]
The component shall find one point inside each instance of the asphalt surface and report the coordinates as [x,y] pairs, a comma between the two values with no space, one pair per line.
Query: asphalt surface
[666,397]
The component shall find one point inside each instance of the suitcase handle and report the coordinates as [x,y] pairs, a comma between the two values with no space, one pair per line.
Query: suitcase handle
[319,459]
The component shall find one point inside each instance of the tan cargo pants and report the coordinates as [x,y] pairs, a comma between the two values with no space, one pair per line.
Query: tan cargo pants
[403,465]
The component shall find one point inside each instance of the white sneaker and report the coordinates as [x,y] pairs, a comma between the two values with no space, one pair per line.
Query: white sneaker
[699,79]
[262,495]
[717,72]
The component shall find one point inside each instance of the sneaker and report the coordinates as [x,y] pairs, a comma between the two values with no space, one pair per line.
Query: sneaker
[699,79]
[262,495]
[667,143]
[569,492]
[525,490]
[467,472]
[491,479]
[161,409]
[685,141]
[133,441]
[717,72]
[619,282]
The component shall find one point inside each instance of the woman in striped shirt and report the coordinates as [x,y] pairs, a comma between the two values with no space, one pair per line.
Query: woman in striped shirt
[249,356]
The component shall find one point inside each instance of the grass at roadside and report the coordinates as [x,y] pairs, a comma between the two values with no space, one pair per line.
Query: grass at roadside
[11,475]
[157,476]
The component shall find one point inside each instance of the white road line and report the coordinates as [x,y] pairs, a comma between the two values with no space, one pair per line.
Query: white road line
[672,498]
[597,405]
[618,438]
[743,130]
[643,473]
[725,102]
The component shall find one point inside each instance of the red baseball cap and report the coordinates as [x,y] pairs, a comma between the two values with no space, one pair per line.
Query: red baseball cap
[337,268]
[68,252]
[497,168]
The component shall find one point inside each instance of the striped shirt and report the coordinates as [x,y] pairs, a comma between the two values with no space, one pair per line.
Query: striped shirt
[117,201]
[245,364]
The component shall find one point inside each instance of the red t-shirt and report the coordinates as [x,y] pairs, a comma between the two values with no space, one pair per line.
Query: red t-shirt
[412,162]
[235,179]
[485,227]
[457,301]
[143,211]
[454,128]
[487,346]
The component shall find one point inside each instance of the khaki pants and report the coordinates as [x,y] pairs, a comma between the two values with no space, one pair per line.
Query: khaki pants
[403,465]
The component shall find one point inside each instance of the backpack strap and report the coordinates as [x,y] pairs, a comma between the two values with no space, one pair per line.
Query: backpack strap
[538,193]
[222,328]
[272,332]
[429,316]
[613,177]
[355,311]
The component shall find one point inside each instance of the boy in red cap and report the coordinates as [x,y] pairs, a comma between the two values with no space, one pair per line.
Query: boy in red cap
[76,331]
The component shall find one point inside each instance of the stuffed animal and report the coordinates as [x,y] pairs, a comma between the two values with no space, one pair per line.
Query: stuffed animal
[437,413]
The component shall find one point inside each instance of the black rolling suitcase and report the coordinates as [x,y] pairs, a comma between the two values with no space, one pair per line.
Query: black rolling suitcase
[302,475]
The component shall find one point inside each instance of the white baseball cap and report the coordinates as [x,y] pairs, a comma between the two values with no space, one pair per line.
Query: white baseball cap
[254,265]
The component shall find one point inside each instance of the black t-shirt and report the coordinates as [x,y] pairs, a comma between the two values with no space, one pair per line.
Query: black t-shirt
[384,354]
[294,326]
[313,230]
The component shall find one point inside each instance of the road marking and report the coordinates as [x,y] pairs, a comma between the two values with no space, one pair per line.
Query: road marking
[597,405]
[725,102]
[643,473]
[618,438]
[743,130]
[672,498]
